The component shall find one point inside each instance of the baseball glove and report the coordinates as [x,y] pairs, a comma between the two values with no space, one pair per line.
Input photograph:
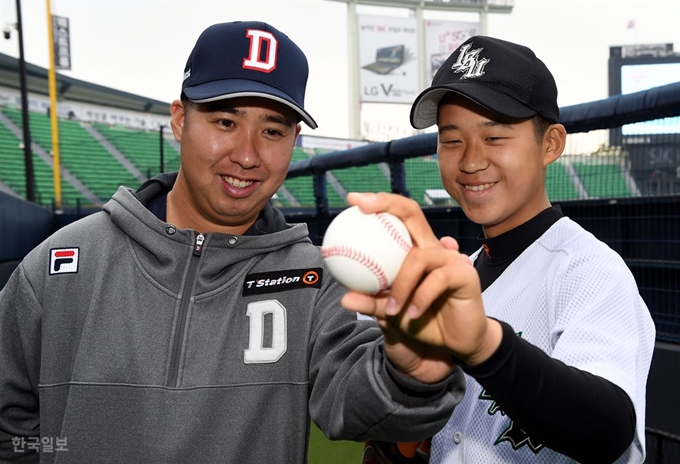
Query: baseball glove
[382,452]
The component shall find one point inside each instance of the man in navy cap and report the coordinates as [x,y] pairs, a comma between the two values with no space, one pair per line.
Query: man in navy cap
[187,321]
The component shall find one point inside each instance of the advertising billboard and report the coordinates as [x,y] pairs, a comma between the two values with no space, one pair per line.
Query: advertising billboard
[644,76]
[441,39]
[633,68]
[62,43]
[388,61]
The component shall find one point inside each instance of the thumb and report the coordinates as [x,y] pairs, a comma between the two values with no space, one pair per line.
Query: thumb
[449,243]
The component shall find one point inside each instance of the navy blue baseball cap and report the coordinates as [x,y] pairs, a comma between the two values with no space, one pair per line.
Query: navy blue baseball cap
[247,59]
[504,77]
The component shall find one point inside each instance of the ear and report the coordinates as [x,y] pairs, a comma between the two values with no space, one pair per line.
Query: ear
[177,112]
[554,142]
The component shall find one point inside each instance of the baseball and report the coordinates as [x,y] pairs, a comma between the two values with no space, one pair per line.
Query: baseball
[364,252]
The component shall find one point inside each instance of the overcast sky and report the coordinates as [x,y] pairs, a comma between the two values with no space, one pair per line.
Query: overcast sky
[141,46]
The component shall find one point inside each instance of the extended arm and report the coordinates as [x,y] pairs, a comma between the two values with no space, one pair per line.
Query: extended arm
[571,411]
[356,392]
[19,368]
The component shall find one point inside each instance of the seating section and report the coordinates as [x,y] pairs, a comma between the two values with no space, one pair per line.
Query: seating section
[92,164]
[13,172]
[355,179]
[302,188]
[141,147]
[80,153]
[602,180]
[361,179]
[559,184]
[422,173]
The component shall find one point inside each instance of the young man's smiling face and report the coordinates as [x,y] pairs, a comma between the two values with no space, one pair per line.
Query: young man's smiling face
[235,155]
[495,169]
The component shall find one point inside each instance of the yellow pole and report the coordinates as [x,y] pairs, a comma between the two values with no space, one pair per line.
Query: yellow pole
[53,111]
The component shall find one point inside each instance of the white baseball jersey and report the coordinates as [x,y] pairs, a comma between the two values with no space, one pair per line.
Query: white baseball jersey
[573,297]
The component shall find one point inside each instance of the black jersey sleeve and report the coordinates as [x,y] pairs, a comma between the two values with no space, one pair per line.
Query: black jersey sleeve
[573,412]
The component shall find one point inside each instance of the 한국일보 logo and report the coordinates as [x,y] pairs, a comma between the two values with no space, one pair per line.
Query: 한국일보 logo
[64,260]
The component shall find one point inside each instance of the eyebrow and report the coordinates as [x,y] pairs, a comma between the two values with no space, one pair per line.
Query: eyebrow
[268,118]
[279,120]
[489,123]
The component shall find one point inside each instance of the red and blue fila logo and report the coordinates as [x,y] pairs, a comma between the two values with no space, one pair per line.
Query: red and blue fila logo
[64,260]
[258,39]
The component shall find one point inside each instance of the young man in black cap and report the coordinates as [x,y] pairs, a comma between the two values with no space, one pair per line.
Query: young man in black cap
[187,322]
[558,370]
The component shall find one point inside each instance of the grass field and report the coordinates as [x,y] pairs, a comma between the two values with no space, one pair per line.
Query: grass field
[325,451]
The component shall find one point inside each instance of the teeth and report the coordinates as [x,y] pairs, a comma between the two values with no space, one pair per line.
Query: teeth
[237,183]
[478,188]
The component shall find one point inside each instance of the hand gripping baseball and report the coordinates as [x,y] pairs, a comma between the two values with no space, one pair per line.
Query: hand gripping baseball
[363,251]
[434,307]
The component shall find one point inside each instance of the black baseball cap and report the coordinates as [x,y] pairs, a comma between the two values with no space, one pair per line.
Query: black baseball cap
[247,59]
[503,77]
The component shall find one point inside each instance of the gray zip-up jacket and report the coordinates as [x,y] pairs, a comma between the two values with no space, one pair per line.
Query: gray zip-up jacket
[126,340]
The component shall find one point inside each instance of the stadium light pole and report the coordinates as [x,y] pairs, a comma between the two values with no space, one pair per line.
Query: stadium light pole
[54,123]
[28,158]
[162,152]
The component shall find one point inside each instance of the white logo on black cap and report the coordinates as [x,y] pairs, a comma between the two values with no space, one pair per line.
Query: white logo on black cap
[469,62]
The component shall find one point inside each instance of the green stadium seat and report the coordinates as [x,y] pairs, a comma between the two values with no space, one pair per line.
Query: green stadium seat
[80,153]
[13,173]
[422,174]
[141,147]
[602,179]
[559,184]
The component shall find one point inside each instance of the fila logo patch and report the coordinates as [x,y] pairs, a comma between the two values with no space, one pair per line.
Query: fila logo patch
[258,40]
[281,281]
[64,260]
[468,62]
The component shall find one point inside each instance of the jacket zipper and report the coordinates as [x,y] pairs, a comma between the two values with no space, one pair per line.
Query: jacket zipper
[183,310]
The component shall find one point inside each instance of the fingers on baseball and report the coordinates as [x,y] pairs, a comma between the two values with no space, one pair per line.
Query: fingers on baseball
[406,209]
[434,288]
[369,305]
[428,275]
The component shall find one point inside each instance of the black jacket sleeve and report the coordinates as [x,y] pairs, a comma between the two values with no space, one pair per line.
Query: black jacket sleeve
[571,411]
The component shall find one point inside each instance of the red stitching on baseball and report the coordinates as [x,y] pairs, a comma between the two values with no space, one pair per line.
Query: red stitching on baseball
[357,255]
[393,231]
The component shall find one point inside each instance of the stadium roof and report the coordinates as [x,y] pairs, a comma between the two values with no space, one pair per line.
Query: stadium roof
[76,90]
